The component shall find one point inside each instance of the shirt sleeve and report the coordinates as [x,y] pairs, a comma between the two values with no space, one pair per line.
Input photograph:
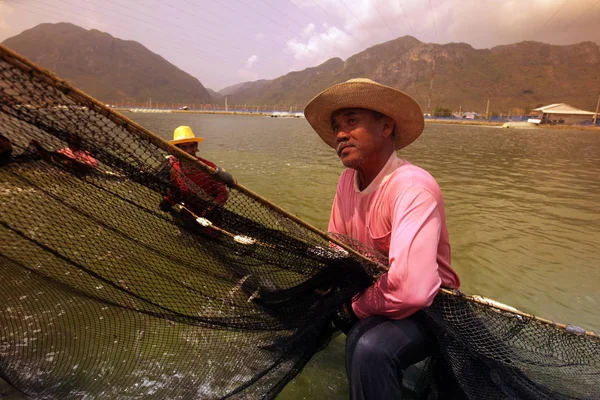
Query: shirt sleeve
[412,280]
[335,220]
[223,192]
[217,189]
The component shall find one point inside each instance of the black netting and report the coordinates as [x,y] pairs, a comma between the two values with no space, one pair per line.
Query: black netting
[499,354]
[106,295]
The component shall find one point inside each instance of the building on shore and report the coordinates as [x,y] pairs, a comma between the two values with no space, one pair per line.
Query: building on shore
[562,113]
[466,114]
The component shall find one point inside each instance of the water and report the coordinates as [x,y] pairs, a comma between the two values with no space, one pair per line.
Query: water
[523,208]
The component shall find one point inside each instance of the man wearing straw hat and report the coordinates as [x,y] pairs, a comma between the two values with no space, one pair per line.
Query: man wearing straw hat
[182,174]
[395,208]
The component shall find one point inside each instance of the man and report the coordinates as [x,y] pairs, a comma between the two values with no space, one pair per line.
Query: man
[72,157]
[75,152]
[397,209]
[186,179]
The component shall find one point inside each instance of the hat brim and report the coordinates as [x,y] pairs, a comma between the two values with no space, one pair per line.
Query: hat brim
[189,140]
[371,96]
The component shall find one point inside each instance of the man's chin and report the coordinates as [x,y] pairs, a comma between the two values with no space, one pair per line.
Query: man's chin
[349,162]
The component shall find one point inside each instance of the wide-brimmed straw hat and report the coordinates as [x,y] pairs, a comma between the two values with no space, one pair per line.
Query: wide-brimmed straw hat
[184,134]
[370,95]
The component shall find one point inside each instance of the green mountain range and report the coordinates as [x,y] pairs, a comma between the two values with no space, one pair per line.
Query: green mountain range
[105,67]
[515,78]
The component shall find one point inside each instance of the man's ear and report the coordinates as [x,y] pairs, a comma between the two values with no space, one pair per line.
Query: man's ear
[388,126]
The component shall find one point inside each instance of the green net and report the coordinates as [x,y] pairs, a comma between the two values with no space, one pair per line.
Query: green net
[106,295]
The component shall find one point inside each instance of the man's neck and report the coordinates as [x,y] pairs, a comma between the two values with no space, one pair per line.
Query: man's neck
[368,172]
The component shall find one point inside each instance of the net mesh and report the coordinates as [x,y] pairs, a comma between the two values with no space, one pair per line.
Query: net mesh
[106,294]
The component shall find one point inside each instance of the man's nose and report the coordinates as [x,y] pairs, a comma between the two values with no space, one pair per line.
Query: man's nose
[341,135]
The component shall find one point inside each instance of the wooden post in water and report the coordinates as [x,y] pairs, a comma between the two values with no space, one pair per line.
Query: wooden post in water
[487,110]
[596,114]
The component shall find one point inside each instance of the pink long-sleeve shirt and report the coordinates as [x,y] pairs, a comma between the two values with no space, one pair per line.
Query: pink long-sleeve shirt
[401,215]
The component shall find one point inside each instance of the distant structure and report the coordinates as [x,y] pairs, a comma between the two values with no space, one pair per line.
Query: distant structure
[562,113]
[466,114]
[285,114]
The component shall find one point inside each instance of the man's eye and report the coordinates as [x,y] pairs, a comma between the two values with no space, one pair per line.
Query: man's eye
[335,128]
[351,120]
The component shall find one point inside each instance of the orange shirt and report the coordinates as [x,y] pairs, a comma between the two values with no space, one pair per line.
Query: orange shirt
[194,187]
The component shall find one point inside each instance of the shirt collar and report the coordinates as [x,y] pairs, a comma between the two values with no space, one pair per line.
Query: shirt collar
[390,166]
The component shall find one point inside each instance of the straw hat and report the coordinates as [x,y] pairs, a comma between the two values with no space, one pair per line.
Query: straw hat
[370,95]
[184,134]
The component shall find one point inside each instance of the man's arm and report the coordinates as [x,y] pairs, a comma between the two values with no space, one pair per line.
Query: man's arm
[335,220]
[412,280]
[222,192]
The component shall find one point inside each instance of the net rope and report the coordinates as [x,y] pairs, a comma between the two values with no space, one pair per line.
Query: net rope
[107,296]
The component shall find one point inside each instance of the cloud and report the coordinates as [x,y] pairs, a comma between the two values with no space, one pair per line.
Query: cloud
[511,21]
[309,30]
[481,24]
[251,61]
[352,26]
[319,45]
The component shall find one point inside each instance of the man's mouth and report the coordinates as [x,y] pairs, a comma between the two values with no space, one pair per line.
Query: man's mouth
[342,146]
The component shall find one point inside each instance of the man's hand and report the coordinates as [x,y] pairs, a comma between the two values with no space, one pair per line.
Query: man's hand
[344,318]
[224,176]
[164,205]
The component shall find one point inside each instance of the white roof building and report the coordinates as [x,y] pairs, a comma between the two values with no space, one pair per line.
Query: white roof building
[562,108]
[562,113]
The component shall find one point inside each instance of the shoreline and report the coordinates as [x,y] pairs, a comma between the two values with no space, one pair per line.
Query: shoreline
[221,112]
[270,114]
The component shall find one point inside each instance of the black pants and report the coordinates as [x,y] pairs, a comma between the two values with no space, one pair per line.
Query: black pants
[378,350]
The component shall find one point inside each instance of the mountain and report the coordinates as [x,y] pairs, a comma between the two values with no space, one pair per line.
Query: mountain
[109,69]
[516,77]
[242,86]
[215,96]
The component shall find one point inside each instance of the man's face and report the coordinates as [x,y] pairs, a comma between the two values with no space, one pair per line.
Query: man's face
[190,148]
[360,135]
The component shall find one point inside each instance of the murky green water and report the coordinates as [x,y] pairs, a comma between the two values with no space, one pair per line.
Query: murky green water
[523,208]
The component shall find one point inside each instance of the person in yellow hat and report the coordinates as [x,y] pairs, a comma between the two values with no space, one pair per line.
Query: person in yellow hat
[396,208]
[200,192]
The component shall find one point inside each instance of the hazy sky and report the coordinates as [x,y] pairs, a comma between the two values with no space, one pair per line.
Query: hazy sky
[224,42]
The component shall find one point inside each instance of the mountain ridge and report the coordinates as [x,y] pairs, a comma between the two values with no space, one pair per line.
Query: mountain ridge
[517,77]
[513,77]
[106,67]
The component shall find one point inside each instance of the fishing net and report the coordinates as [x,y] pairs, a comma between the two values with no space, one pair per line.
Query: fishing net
[109,292]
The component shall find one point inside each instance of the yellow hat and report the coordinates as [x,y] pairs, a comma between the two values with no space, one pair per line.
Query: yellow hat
[184,134]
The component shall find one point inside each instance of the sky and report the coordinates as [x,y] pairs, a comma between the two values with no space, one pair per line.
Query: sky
[225,42]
